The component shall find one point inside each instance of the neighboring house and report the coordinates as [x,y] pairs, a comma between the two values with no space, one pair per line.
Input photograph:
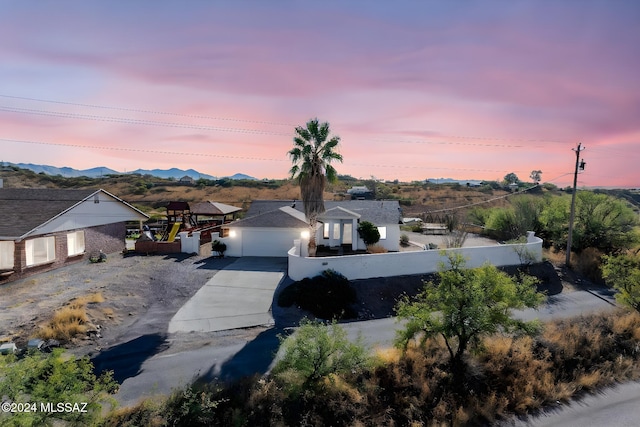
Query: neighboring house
[187,180]
[42,229]
[271,226]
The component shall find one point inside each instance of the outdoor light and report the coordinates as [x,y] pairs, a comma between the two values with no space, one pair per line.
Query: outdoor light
[582,165]
[232,233]
[305,234]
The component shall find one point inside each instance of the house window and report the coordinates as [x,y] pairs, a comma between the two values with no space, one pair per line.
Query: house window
[325,231]
[75,243]
[383,232]
[6,255]
[40,250]
[329,232]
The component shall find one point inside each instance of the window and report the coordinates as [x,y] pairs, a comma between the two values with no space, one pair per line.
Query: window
[40,250]
[75,243]
[331,233]
[383,232]
[325,231]
[6,255]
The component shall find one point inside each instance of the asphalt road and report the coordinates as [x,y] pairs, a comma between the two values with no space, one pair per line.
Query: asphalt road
[227,357]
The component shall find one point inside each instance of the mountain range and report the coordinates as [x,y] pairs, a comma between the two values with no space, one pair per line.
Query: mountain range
[102,171]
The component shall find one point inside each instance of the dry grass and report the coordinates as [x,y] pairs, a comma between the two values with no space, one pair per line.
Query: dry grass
[71,320]
[376,249]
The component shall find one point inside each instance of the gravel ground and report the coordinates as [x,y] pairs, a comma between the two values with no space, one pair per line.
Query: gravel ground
[141,294]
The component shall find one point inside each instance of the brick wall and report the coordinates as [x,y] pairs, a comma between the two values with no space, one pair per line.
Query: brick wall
[108,238]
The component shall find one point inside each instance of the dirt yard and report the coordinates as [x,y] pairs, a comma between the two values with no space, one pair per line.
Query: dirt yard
[141,294]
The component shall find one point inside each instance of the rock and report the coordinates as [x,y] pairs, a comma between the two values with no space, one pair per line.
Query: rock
[8,348]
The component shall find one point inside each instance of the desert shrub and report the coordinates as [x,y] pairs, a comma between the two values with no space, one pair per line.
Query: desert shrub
[404,240]
[219,247]
[588,263]
[53,378]
[316,352]
[416,228]
[376,249]
[327,296]
[623,273]
[501,224]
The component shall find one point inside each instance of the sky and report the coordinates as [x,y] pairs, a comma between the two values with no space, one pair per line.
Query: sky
[415,90]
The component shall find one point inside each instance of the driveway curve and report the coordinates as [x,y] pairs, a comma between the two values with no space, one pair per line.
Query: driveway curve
[238,296]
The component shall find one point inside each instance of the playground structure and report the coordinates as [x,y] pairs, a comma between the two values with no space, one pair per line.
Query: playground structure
[185,222]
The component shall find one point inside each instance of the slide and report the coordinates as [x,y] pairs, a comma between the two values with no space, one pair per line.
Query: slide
[173,232]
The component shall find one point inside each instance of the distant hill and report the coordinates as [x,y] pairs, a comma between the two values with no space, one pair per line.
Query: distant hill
[241,176]
[65,171]
[173,173]
[101,171]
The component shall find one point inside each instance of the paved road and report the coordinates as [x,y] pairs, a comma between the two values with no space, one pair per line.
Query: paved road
[234,358]
[613,407]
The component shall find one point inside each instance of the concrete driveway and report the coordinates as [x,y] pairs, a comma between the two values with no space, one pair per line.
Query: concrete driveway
[238,296]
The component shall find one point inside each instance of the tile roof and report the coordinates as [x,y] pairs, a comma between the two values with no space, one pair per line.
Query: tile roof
[376,211]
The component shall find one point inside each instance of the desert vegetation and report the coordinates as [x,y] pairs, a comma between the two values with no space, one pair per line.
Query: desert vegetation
[71,320]
[507,374]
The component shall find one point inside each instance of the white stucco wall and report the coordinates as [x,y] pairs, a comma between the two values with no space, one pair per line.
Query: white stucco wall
[419,262]
[259,241]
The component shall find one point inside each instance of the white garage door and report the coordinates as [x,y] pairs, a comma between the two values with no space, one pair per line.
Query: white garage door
[268,242]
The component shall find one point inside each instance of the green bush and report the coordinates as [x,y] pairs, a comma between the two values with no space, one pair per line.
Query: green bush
[53,378]
[368,232]
[316,352]
[327,296]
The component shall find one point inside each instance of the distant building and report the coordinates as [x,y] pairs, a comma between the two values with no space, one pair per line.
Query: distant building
[360,193]
[187,180]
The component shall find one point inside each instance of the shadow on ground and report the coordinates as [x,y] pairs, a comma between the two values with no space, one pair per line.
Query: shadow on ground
[254,358]
[126,359]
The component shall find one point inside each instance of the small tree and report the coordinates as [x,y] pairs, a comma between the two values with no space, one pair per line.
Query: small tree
[623,273]
[536,176]
[317,351]
[465,305]
[368,233]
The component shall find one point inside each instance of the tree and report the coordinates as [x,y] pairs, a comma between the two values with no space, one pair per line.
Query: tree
[536,176]
[465,305]
[368,232]
[623,273]
[601,221]
[314,151]
[511,178]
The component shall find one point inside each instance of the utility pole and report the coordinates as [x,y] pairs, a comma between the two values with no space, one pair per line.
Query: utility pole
[579,165]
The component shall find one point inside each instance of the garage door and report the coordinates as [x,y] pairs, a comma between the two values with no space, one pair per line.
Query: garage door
[268,242]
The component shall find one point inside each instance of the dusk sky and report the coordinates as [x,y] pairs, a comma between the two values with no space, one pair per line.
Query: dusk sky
[415,89]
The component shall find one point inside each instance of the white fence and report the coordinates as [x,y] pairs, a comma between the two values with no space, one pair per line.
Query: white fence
[420,262]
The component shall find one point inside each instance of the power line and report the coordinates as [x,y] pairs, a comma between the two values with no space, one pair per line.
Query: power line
[137,110]
[135,121]
[179,153]
[140,150]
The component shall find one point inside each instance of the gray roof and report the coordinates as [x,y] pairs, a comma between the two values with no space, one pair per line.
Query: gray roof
[376,211]
[213,208]
[280,218]
[24,209]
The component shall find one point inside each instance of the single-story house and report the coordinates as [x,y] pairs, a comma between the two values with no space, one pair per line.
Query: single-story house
[42,229]
[271,226]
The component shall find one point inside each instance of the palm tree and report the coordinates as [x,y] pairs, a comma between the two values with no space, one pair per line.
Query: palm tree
[311,156]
